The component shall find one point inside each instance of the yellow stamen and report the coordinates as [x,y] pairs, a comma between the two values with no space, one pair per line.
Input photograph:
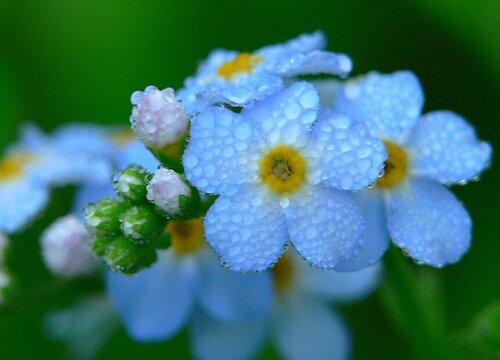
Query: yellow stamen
[283,273]
[12,165]
[283,169]
[395,167]
[187,236]
[243,63]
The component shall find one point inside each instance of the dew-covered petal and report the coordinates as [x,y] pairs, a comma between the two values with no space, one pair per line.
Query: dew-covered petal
[325,225]
[376,235]
[21,201]
[429,223]
[444,147]
[284,117]
[308,329]
[228,295]
[247,229]
[389,104]
[340,286]
[301,44]
[155,303]
[315,62]
[342,153]
[217,340]
[222,152]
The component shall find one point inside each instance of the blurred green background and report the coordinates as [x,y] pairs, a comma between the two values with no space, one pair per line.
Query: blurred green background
[81,60]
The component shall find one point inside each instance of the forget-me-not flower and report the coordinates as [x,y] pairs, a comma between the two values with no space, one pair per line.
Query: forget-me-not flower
[425,152]
[279,169]
[302,325]
[239,78]
[187,279]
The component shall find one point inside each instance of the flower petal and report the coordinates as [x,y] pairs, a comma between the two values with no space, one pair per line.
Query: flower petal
[389,104]
[445,148]
[222,152]
[216,340]
[228,295]
[315,62]
[247,229]
[342,153]
[285,116]
[325,225]
[155,303]
[377,237]
[428,222]
[301,44]
[20,201]
[340,286]
[308,329]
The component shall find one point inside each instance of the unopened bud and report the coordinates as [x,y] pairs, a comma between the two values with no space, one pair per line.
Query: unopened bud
[142,223]
[103,217]
[65,248]
[164,190]
[158,118]
[130,184]
[127,257]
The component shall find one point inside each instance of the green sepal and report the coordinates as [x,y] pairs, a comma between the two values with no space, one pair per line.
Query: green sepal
[162,241]
[127,257]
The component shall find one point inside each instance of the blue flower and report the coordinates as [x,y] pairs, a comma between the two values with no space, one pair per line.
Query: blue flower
[240,78]
[279,172]
[302,324]
[421,216]
[187,280]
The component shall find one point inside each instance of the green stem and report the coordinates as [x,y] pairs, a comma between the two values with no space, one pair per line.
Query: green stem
[168,161]
[405,301]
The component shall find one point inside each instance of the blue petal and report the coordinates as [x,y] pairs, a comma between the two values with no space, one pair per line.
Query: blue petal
[217,340]
[445,148]
[376,236]
[427,221]
[388,104]
[308,329]
[157,302]
[247,229]
[228,295]
[325,225]
[343,154]
[223,152]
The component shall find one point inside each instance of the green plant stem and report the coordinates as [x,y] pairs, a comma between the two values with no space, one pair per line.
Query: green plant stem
[406,303]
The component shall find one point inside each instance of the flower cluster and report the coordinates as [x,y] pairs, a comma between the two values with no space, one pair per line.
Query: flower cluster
[218,179]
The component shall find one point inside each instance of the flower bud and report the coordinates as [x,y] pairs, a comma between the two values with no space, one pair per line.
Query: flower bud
[130,184]
[103,217]
[164,190]
[127,257]
[158,118]
[141,223]
[65,248]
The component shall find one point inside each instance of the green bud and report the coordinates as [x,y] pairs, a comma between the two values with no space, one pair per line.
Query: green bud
[140,224]
[103,217]
[130,184]
[127,257]
[100,245]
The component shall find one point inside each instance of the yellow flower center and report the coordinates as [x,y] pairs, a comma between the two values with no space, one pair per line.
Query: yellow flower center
[12,165]
[122,137]
[187,236]
[395,167]
[282,273]
[283,169]
[243,63]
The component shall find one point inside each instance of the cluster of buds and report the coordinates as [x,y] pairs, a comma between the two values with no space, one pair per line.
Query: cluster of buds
[126,231]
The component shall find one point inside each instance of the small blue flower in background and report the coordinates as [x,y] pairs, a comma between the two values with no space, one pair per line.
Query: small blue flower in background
[186,282]
[421,216]
[279,172]
[240,78]
[302,324]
